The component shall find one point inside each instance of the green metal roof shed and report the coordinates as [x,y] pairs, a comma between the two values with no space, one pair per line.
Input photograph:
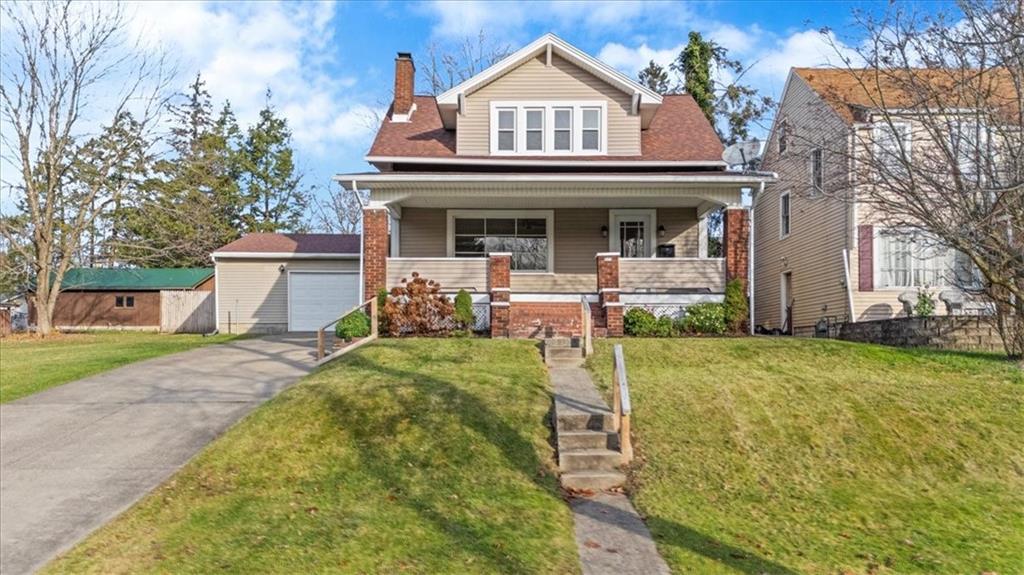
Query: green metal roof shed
[134,279]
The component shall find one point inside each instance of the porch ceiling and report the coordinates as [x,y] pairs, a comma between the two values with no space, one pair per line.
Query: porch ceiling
[492,200]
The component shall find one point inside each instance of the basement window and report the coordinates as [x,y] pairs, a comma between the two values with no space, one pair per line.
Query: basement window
[124,301]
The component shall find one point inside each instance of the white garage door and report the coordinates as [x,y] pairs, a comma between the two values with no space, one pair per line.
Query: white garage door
[316,298]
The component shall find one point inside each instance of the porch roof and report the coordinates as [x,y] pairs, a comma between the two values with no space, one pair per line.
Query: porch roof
[398,180]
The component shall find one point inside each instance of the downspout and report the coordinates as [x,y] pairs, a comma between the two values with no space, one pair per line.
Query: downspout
[362,280]
[750,255]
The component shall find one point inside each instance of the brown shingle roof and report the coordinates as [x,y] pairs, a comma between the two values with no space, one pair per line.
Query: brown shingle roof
[343,244]
[850,92]
[678,132]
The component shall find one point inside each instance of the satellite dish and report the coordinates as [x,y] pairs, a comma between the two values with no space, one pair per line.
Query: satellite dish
[742,153]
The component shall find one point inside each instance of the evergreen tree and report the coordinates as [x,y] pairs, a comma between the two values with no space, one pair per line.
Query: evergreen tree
[655,77]
[192,204]
[273,198]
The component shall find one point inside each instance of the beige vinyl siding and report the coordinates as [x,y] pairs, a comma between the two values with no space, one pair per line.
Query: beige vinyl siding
[813,251]
[533,80]
[453,274]
[667,273]
[681,231]
[422,233]
[577,237]
[253,294]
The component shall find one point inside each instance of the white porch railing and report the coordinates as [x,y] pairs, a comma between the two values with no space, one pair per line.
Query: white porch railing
[672,273]
[453,274]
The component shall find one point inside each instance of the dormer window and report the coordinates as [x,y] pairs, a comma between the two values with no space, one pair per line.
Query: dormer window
[549,128]
[506,130]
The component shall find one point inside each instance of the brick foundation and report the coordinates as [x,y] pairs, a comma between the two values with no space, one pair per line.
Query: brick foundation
[375,251]
[608,293]
[736,236]
[545,319]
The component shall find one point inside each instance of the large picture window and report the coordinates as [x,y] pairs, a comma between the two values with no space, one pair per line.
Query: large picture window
[904,260]
[525,236]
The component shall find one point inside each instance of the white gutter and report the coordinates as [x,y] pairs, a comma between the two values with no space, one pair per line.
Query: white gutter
[750,257]
[281,256]
[552,163]
[400,177]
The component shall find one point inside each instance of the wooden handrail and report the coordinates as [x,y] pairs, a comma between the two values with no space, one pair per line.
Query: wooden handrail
[620,399]
[320,340]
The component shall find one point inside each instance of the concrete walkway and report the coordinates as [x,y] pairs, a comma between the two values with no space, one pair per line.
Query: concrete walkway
[611,537]
[73,457]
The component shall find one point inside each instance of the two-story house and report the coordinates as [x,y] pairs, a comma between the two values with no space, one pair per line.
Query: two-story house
[820,251]
[550,186]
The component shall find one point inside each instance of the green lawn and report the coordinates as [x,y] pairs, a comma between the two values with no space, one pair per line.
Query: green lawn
[28,365]
[405,456]
[762,455]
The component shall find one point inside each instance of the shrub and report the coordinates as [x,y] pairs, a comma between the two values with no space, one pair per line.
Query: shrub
[464,310]
[736,306]
[642,323]
[705,318]
[418,308]
[638,321]
[355,324]
[382,316]
[925,306]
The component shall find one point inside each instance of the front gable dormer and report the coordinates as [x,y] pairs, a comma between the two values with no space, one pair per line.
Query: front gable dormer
[548,99]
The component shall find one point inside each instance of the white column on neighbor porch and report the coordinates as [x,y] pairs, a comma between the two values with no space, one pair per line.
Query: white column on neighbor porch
[394,224]
[702,237]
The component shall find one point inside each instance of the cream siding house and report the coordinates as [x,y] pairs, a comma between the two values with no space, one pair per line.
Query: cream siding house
[553,188]
[835,262]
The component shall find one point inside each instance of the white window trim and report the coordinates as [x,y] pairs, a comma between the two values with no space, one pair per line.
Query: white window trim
[613,232]
[875,133]
[876,263]
[784,233]
[815,188]
[548,215]
[549,127]
[495,113]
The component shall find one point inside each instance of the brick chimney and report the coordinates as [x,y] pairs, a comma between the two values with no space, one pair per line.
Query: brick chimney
[405,78]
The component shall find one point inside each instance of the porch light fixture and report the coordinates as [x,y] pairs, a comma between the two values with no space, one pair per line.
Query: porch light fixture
[280,269]
[661,231]
[604,231]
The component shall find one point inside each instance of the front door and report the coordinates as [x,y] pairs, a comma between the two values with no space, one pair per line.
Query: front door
[631,235]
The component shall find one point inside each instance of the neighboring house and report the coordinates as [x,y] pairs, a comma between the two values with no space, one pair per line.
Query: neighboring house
[123,298]
[546,181]
[818,253]
[273,283]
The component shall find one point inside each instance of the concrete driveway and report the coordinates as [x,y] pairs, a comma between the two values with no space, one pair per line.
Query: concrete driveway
[73,457]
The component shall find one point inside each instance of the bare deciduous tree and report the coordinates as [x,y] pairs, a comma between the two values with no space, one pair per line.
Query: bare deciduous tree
[936,148]
[341,212]
[447,67]
[61,60]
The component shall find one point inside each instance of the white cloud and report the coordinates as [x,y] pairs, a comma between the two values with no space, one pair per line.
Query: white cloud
[632,60]
[806,48]
[241,49]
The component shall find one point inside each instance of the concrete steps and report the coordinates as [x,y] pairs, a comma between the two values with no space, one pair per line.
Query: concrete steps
[588,447]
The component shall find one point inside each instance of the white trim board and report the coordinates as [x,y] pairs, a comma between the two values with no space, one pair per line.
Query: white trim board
[281,256]
[512,161]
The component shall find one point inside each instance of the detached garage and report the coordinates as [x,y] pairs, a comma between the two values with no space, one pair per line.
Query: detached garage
[274,283]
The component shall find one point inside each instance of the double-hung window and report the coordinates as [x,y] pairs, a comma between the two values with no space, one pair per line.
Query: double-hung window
[535,130]
[969,144]
[524,234]
[591,140]
[563,130]
[817,170]
[784,207]
[555,127]
[507,129]
[892,147]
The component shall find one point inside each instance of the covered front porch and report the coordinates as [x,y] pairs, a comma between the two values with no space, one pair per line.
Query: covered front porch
[542,243]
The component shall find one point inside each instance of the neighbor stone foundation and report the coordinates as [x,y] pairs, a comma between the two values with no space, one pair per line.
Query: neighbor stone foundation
[946,332]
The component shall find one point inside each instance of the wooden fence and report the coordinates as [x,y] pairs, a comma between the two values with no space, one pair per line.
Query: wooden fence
[186,311]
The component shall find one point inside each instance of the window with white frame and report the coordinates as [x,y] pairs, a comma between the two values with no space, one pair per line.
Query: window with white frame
[892,146]
[784,207]
[969,144]
[507,129]
[526,235]
[560,128]
[907,260]
[817,170]
[783,136]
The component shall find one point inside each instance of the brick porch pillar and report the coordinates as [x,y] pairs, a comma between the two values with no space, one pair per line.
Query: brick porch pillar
[608,291]
[375,251]
[499,285]
[736,237]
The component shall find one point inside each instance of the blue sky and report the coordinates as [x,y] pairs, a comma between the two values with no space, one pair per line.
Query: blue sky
[330,65]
